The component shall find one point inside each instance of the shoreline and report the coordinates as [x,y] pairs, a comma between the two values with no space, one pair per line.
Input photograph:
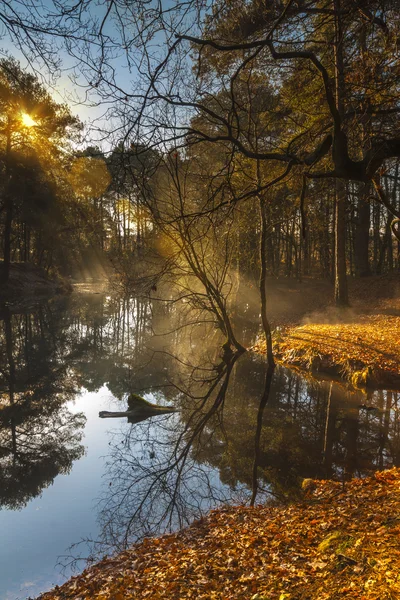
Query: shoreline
[339,541]
[30,283]
[364,353]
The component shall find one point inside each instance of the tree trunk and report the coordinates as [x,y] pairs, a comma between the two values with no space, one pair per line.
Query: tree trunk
[361,242]
[263,281]
[377,236]
[8,205]
[330,431]
[257,437]
[7,240]
[341,293]
[11,373]
[306,252]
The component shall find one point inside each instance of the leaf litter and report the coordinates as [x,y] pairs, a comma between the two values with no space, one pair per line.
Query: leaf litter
[366,353]
[340,541]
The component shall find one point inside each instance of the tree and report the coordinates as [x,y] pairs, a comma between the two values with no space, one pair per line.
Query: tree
[338,29]
[34,131]
[332,68]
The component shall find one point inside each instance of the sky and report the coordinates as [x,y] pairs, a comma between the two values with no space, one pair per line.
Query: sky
[65,89]
[70,85]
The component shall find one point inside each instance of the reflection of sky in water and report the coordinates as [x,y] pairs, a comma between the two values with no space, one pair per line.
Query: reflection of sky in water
[66,512]
[43,530]
[309,429]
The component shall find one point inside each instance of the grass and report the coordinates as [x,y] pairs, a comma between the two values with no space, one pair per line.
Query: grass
[360,345]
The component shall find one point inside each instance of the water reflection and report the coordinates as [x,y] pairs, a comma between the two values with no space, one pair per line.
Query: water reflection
[261,432]
[39,437]
[239,434]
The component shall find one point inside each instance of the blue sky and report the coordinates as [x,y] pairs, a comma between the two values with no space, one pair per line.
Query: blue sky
[74,91]
[70,84]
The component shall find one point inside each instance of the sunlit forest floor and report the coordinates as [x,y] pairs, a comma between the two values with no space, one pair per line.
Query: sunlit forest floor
[360,344]
[341,541]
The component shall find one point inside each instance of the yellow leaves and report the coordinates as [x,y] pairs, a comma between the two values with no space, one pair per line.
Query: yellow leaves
[366,352]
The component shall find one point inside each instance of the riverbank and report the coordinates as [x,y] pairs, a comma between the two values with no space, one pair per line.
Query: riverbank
[365,353]
[27,281]
[360,345]
[341,541]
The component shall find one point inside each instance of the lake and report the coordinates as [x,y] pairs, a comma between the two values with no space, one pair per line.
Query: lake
[75,487]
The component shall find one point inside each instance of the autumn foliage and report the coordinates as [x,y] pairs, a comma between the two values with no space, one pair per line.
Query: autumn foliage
[341,541]
[366,352]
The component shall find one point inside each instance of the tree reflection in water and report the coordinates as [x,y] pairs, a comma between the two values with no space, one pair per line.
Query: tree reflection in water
[242,434]
[230,440]
[39,436]
[155,480]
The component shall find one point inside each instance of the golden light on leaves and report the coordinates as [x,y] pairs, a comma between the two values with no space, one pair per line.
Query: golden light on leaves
[367,353]
[339,542]
[27,120]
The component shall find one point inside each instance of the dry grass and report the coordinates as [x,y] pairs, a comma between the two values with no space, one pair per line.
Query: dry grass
[360,344]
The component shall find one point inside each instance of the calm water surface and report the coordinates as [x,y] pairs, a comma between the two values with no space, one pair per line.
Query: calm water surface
[74,486]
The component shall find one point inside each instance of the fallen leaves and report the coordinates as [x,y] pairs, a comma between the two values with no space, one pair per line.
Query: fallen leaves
[366,353]
[340,542]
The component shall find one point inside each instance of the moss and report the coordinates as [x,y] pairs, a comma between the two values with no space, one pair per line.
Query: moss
[331,541]
[135,399]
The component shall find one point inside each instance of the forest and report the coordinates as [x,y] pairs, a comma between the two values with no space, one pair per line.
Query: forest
[200,209]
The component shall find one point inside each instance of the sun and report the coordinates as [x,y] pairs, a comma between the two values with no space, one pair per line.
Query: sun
[27,121]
